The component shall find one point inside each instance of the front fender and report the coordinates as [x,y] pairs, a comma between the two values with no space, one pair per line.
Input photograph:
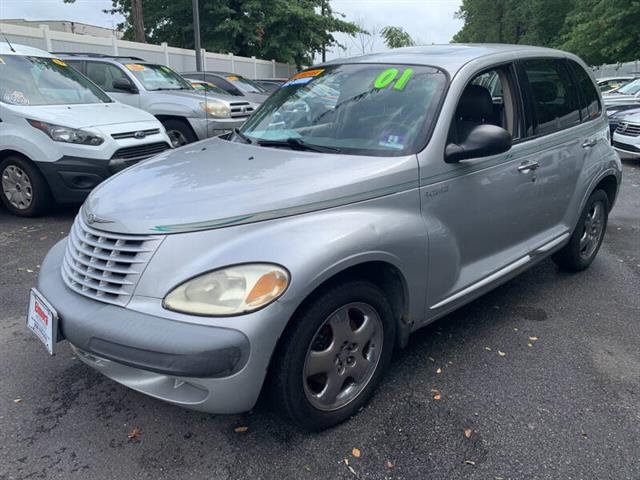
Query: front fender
[313,247]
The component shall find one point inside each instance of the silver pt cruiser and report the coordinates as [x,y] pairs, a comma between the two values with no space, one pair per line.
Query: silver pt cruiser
[366,198]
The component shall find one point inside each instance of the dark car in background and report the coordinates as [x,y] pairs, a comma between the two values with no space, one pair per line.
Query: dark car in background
[270,85]
[232,83]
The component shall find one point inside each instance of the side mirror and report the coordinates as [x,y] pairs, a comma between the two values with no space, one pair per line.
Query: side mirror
[481,141]
[124,85]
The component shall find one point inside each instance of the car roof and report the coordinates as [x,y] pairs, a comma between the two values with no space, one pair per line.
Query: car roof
[5,49]
[213,72]
[451,57]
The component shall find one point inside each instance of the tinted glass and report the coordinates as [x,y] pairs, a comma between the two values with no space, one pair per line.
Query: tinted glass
[45,81]
[103,75]
[360,109]
[244,84]
[630,88]
[157,77]
[554,96]
[591,107]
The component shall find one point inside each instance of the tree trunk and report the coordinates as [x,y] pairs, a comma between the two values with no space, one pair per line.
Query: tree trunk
[137,19]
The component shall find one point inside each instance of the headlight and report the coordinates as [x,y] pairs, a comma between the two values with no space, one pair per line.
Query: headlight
[58,133]
[229,291]
[216,108]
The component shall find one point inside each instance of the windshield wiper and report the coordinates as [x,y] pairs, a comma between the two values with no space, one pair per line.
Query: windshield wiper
[296,143]
[244,137]
[167,88]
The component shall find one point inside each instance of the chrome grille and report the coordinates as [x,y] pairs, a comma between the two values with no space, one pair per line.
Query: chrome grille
[141,134]
[105,266]
[628,129]
[241,109]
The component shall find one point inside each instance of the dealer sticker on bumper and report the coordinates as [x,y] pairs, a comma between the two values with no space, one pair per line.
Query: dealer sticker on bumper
[42,319]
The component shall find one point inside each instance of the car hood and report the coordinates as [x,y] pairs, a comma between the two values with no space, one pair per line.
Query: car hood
[616,98]
[217,183]
[86,115]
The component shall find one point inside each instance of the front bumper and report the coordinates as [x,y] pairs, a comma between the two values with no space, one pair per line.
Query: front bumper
[198,366]
[214,127]
[71,179]
[625,150]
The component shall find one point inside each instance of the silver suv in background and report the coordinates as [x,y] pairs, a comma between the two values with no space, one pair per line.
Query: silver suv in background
[365,199]
[187,114]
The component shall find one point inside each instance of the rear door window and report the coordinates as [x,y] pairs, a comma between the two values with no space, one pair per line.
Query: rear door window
[553,94]
[103,75]
[591,106]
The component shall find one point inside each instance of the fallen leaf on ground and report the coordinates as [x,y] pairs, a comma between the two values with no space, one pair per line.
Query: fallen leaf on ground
[432,359]
[439,370]
[356,452]
[502,354]
[352,470]
[488,349]
[17,400]
[468,432]
[135,433]
[389,464]
[43,238]
[515,329]
[533,339]
[529,344]
[240,429]
[469,462]
[346,461]
[436,394]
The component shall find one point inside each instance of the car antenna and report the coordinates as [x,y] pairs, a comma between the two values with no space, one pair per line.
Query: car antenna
[8,42]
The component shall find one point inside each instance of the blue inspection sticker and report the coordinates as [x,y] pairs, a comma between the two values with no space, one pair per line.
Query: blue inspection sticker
[297,81]
[392,140]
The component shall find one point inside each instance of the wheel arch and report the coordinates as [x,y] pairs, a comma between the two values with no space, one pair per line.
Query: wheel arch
[609,184]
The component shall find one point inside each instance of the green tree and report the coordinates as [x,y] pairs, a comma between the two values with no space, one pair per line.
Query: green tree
[603,31]
[286,30]
[396,37]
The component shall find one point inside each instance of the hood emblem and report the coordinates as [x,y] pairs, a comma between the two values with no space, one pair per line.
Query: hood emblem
[623,127]
[91,219]
[140,135]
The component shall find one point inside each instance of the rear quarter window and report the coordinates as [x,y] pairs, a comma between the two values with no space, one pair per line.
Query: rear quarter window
[554,96]
[591,107]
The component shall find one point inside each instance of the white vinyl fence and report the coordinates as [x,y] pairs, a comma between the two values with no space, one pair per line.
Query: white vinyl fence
[611,70]
[180,59]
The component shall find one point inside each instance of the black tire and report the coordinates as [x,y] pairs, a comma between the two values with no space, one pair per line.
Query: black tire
[38,190]
[176,128]
[287,383]
[573,257]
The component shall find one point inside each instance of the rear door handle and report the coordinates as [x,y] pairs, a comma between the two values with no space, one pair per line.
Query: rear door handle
[526,167]
[592,142]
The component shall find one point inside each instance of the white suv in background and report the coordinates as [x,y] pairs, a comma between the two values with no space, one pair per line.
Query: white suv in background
[60,135]
[626,138]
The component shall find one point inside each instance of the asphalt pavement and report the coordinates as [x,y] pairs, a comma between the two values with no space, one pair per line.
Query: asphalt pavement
[540,379]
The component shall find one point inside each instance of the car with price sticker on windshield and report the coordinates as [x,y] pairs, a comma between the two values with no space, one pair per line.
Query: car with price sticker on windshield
[60,135]
[366,198]
[188,114]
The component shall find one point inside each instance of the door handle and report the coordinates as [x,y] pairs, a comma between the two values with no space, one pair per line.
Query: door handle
[528,166]
[592,142]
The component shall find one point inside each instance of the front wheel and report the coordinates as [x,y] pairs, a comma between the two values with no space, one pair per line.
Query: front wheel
[179,132]
[333,355]
[587,237]
[25,192]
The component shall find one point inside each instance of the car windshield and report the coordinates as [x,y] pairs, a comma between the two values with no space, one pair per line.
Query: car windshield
[207,87]
[157,77]
[244,84]
[45,81]
[630,88]
[365,109]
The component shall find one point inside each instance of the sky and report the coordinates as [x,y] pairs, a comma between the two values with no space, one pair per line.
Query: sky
[427,21]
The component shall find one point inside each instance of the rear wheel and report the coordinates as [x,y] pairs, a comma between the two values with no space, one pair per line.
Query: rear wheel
[333,355]
[586,239]
[25,192]
[179,132]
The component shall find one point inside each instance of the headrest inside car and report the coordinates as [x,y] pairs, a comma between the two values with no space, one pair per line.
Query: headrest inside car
[475,103]
[544,91]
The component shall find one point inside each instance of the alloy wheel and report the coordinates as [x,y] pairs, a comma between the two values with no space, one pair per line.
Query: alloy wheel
[593,229]
[177,138]
[343,356]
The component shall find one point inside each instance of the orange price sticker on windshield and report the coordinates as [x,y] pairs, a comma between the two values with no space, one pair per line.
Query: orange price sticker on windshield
[308,73]
[57,61]
[135,67]
[232,77]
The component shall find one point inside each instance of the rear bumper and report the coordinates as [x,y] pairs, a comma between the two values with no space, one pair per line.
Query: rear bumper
[71,179]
